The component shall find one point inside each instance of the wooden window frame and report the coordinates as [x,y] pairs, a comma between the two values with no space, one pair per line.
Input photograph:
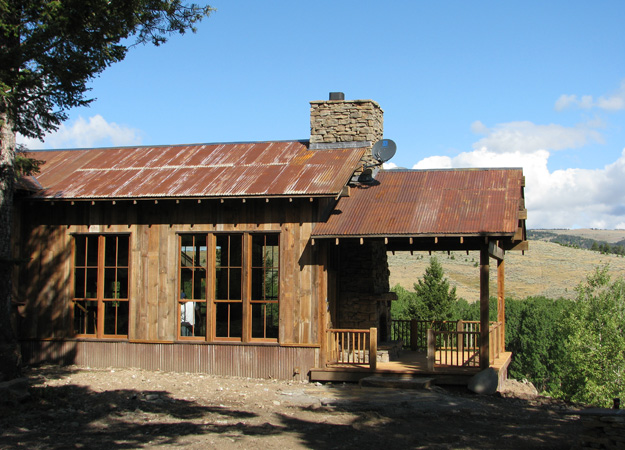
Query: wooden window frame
[209,246]
[212,301]
[101,269]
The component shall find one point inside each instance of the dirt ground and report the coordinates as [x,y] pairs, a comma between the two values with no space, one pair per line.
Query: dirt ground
[72,407]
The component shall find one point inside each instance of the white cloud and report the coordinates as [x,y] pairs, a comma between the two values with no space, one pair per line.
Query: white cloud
[94,132]
[527,137]
[612,102]
[570,198]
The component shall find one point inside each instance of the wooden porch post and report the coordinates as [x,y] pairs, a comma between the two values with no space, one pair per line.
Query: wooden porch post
[373,347]
[484,308]
[501,303]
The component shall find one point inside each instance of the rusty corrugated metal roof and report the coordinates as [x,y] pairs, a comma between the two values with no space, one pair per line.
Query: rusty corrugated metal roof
[282,168]
[429,202]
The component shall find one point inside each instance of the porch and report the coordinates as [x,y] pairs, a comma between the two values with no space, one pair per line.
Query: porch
[447,351]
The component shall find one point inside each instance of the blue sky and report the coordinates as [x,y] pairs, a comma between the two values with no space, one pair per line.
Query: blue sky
[532,84]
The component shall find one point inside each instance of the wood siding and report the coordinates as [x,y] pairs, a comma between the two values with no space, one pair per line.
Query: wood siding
[45,282]
[254,361]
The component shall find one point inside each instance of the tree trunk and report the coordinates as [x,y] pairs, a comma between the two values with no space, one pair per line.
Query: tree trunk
[10,356]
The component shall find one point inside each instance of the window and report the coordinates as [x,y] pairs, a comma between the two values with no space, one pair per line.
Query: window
[101,264]
[193,254]
[228,286]
[264,300]
[231,280]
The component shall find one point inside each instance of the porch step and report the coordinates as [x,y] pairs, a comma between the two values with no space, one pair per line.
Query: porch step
[397,382]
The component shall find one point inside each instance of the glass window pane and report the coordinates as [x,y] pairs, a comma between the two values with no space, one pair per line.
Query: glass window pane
[111,287]
[221,251]
[186,283]
[79,283]
[258,244]
[236,320]
[122,281]
[257,284]
[200,251]
[221,284]
[236,250]
[92,283]
[193,319]
[85,317]
[265,320]
[92,250]
[123,243]
[110,251]
[271,284]
[80,243]
[229,320]
[199,284]
[272,320]
[222,315]
[116,318]
[235,284]
[187,250]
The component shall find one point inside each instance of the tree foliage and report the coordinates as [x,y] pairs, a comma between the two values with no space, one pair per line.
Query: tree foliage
[533,336]
[435,293]
[593,356]
[51,48]
[432,298]
[49,51]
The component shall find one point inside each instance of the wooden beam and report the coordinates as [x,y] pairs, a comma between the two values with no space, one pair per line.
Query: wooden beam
[501,302]
[520,246]
[484,309]
[523,214]
[494,251]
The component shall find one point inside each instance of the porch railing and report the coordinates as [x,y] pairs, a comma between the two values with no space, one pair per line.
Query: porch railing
[353,347]
[448,343]
[461,348]
[413,332]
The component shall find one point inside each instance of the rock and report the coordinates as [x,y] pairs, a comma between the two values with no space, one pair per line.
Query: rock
[14,391]
[484,382]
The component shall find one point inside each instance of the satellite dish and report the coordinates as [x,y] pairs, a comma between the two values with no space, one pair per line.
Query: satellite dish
[384,149]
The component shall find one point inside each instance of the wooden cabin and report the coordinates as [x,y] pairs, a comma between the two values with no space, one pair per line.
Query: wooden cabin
[261,259]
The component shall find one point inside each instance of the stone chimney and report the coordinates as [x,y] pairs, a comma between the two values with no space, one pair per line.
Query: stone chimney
[336,122]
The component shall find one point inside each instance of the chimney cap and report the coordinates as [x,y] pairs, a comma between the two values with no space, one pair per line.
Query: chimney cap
[337,96]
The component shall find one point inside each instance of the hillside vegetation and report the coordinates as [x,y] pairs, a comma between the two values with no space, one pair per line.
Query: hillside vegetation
[546,269]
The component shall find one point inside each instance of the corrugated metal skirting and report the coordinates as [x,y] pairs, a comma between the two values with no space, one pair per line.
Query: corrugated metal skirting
[254,361]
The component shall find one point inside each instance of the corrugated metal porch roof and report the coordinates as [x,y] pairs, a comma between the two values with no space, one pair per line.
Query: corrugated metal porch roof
[282,168]
[430,202]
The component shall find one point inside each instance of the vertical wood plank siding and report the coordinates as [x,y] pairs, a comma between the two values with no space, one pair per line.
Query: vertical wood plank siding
[253,361]
[46,281]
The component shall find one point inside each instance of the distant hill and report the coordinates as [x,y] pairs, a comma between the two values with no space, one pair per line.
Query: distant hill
[547,268]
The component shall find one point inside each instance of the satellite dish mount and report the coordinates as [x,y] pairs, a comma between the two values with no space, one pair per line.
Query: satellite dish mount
[384,150]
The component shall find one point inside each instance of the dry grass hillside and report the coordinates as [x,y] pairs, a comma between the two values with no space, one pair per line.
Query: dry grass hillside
[547,269]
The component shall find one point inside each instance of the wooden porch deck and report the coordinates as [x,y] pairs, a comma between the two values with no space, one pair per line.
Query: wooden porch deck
[411,364]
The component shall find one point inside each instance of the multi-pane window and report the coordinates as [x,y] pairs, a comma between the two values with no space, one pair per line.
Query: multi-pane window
[264,299]
[192,302]
[101,263]
[228,286]
[230,282]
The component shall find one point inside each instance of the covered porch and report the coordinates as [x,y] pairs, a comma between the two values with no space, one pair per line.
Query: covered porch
[447,351]
[479,210]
